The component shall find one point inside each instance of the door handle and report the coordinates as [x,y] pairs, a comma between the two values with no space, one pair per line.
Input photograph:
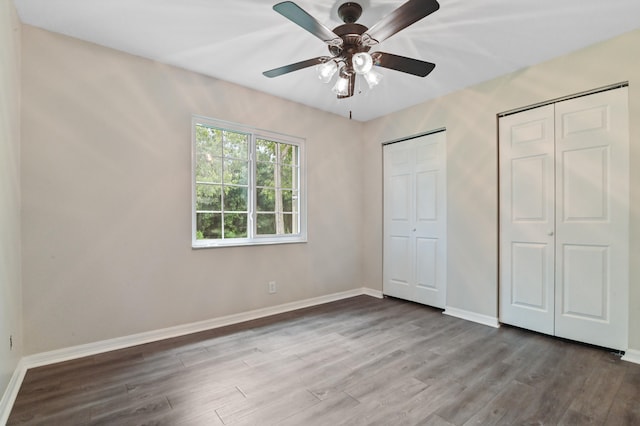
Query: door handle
[550,233]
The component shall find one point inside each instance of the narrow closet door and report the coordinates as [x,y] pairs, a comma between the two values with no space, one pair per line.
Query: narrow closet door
[414,265]
[527,219]
[592,257]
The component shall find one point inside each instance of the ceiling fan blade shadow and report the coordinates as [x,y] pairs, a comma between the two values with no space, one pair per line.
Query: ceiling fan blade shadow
[402,64]
[295,67]
[405,15]
[299,16]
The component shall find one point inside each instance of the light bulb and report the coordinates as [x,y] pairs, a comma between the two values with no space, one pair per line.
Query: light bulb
[326,70]
[362,62]
[341,87]
[373,78]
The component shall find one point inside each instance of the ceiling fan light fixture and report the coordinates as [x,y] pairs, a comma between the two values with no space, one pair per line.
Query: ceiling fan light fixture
[326,70]
[373,78]
[362,62]
[341,88]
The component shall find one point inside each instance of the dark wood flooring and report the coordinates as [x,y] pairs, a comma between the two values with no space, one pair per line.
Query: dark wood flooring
[359,361]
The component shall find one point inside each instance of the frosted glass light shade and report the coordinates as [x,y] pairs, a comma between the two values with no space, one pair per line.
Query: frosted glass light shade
[362,62]
[326,70]
[341,87]
[373,78]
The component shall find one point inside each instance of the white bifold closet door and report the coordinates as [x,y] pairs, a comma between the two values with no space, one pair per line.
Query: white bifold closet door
[415,245]
[564,219]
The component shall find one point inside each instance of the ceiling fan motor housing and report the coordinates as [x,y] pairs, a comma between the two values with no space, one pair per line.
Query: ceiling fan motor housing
[349,12]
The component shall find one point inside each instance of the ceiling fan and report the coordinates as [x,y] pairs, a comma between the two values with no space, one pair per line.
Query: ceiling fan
[349,44]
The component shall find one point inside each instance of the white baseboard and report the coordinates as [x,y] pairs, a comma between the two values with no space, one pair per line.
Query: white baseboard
[632,355]
[10,394]
[80,351]
[74,352]
[472,316]
[373,293]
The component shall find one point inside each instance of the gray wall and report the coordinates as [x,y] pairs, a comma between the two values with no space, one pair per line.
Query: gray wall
[106,193]
[10,286]
[470,118]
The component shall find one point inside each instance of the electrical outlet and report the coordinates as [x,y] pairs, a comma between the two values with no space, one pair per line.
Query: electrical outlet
[272,287]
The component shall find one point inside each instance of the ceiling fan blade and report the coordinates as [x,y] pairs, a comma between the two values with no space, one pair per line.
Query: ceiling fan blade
[402,64]
[352,86]
[407,14]
[295,67]
[297,15]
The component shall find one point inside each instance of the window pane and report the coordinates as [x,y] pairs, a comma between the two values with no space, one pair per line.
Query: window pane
[265,150]
[266,200]
[265,174]
[288,177]
[284,153]
[292,224]
[208,140]
[287,219]
[292,156]
[208,226]
[236,172]
[287,197]
[236,145]
[235,198]
[235,225]
[209,197]
[208,168]
[277,224]
[266,224]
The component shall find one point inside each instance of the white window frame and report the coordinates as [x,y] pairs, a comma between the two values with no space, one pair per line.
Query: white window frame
[252,239]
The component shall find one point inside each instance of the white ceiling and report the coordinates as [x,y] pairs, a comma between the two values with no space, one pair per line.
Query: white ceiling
[235,40]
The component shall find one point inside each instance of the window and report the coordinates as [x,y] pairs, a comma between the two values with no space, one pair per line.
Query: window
[248,186]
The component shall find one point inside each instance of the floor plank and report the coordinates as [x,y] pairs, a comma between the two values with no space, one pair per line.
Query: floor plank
[625,409]
[358,361]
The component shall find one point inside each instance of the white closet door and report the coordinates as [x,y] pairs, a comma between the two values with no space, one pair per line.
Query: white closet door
[564,219]
[527,219]
[414,265]
[592,246]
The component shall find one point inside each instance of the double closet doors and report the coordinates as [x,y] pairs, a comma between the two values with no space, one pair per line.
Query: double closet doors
[564,219]
[415,245]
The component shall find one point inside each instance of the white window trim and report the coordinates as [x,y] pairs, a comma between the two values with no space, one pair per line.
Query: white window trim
[301,237]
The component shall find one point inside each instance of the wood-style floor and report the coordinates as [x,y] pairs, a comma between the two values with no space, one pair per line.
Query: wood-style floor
[359,361]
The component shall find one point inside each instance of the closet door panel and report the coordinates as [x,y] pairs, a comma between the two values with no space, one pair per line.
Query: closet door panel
[398,207]
[530,267]
[586,283]
[585,191]
[592,146]
[527,219]
[427,264]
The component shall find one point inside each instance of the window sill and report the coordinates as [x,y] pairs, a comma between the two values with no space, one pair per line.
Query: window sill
[204,244]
